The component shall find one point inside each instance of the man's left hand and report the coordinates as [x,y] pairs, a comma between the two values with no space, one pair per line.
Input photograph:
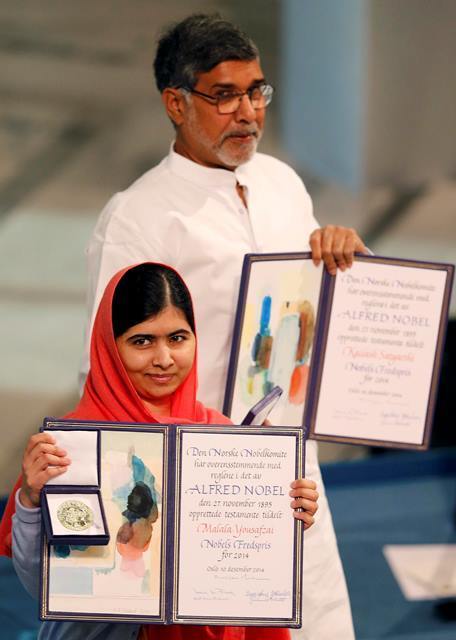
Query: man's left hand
[336,247]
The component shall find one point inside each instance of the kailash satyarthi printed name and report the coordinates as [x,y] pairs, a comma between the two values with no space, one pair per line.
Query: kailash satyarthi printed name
[380,350]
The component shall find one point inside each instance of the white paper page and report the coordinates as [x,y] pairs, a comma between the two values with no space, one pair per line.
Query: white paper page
[380,353]
[81,448]
[423,571]
[102,580]
[236,555]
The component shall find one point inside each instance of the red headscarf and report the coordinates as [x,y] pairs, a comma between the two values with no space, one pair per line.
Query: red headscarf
[109,395]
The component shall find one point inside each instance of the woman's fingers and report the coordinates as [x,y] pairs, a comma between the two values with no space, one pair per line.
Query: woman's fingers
[41,446]
[46,464]
[44,437]
[38,479]
[306,518]
[303,488]
[34,480]
[50,472]
[47,458]
[308,505]
[304,503]
[43,459]
[303,483]
[310,494]
[44,449]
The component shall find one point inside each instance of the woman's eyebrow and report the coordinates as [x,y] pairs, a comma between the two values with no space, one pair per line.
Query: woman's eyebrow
[179,332]
[141,335]
[151,336]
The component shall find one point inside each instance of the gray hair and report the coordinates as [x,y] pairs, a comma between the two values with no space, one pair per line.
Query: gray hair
[196,45]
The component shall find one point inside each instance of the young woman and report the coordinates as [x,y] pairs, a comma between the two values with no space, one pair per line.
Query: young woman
[143,369]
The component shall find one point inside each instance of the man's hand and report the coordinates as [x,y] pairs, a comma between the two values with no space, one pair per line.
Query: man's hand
[336,246]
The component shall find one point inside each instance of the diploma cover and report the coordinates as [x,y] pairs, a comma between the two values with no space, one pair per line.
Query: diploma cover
[358,355]
[201,529]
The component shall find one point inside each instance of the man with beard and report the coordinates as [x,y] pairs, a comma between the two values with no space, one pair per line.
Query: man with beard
[210,201]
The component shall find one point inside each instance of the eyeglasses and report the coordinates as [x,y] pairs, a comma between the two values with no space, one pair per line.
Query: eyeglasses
[229,102]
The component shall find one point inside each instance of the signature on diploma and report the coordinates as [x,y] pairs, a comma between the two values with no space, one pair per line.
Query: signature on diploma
[213,594]
[350,413]
[268,596]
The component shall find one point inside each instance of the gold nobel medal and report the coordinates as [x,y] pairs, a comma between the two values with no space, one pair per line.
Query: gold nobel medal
[75,515]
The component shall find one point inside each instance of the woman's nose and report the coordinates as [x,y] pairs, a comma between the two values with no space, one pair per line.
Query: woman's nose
[162,357]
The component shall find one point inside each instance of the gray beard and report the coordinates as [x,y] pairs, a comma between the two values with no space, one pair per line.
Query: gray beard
[233,159]
[226,157]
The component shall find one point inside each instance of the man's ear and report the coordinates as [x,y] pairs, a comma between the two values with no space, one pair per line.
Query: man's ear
[174,103]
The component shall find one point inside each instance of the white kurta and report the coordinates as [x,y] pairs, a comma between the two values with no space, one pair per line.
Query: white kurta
[191,218]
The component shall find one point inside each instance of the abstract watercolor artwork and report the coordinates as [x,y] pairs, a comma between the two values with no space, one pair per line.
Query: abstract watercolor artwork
[124,576]
[273,338]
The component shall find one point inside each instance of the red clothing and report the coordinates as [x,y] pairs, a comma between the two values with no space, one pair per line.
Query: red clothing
[109,395]
[184,632]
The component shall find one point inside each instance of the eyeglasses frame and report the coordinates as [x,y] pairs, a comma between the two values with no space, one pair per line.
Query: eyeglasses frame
[215,100]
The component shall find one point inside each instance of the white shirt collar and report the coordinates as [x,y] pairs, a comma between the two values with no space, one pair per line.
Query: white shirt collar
[205,176]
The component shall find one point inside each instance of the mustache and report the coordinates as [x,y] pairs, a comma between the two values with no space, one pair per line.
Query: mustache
[251,131]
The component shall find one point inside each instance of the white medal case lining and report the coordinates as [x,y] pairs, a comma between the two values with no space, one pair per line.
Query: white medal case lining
[91,500]
[82,450]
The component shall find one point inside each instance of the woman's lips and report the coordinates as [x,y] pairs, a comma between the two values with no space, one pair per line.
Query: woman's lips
[160,378]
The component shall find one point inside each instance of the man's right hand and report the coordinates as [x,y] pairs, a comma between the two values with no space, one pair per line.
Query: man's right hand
[42,460]
[336,246]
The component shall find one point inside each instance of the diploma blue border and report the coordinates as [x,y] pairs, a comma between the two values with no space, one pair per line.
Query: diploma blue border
[316,372]
[45,613]
[326,294]
[295,619]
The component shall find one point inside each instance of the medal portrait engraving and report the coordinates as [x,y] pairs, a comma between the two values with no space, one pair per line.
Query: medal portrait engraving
[75,515]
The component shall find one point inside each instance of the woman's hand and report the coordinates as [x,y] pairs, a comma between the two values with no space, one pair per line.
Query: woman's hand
[304,501]
[42,460]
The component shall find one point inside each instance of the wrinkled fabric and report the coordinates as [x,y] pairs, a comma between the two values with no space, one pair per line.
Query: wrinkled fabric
[191,217]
